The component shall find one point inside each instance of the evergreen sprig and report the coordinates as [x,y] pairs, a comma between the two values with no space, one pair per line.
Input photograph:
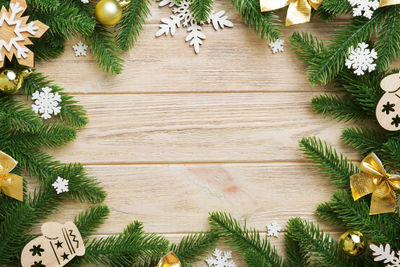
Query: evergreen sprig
[201,9]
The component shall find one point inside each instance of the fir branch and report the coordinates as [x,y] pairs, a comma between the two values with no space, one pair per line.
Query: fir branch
[295,255]
[48,47]
[88,221]
[195,246]
[331,164]
[201,9]
[326,212]
[308,47]
[333,8]
[364,139]
[43,5]
[131,23]
[243,239]
[341,108]
[264,24]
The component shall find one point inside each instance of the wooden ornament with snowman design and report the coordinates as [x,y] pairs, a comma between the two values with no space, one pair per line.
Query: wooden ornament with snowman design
[388,108]
[58,245]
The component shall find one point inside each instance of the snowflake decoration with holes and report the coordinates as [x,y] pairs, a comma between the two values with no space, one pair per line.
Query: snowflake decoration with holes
[15,33]
[221,259]
[386,254]
[277,46]
[364,8]
[273,229]
[80,49]
[46,103]
[361,59]
[61,185]
[183,16]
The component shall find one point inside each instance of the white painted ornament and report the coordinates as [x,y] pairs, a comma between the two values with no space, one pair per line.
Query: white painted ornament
[58,245]
[46,103]
[80,49]
[386,254]
[361,59]
[221,259]
[388,108]
[61,185]
[85,1]
[182,16]
[277,46]
[364,8]
[273,229]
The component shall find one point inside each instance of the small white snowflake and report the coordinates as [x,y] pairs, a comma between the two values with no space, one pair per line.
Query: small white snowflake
[277,46]
[46,102]
[61,185]
[364,8]
[273,229]
[361,59]
[85,1]
[221,259]
[80,49]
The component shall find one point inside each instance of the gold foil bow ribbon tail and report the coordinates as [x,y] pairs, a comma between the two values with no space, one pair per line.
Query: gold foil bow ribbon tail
[383,3]
[169,260]
[374,179]
[299,11]
[10,184]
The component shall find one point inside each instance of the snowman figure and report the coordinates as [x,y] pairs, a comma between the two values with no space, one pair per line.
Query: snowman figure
[388,108]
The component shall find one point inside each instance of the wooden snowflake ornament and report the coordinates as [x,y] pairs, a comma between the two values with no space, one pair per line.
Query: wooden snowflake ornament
[15,32]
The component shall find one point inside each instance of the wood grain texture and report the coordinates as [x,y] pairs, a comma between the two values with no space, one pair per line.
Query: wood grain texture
[178,135]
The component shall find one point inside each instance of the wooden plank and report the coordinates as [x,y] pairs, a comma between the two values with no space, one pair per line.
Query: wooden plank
[234,59]
[168,128]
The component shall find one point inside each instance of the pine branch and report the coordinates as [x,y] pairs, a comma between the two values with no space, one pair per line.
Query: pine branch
[264,24]
[243,239]
[326,212]
[338,108]
[43,5]
[333,8]
[201,9]
[364,139]
[132,23]
[331,164]
[295,256]
[88,221]
[308,47]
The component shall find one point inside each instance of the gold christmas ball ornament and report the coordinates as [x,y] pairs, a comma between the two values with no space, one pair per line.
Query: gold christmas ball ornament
[353,243]
[169,260]
[11,80]
[108,12]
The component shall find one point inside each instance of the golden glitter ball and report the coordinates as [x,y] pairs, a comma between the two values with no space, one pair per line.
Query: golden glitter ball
[11,81]
[353,243]
[169,260]
[108,12]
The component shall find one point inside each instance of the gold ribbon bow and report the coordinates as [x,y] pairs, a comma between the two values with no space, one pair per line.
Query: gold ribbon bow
[374,179]
[10,184]
[299,11]
[388,2]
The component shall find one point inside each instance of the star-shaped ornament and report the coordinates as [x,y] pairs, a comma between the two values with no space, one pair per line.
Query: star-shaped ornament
[15,32]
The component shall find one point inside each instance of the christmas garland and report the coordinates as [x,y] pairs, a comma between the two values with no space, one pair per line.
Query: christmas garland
[357,63]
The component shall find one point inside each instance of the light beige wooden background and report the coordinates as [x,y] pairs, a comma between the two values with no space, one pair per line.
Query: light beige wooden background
[178,135]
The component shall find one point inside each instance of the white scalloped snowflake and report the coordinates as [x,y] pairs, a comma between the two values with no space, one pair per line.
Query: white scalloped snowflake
[80,49]
[183,16]
[273,229]
[46,102]
[277,46]
[221,259]
[361,59]
[364,8]
[386,254]
[61,185]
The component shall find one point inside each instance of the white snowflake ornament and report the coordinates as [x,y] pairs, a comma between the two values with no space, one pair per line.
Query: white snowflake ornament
[221,259]
[46,103]
[80,49]
[85,1]
[386,254]
[277,46]
[364,8]
[61,185]
[182,15]
[361,59]
[273,229]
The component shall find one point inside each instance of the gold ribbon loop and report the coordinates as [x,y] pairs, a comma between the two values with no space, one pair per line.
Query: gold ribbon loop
[374,179]
[383,3]
[299,11]
[10,184]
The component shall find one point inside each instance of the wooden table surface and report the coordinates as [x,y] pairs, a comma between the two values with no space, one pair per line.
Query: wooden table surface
[178,135]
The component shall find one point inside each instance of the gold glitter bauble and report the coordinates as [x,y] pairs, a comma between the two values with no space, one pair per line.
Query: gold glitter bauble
[353,243]
[169,260]
[108,12]
[11,81]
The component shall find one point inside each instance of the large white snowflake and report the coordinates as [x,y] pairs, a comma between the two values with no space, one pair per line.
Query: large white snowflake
[273,229]
[46,102]
[386,254]
[364,8]
[183,16]
[221,259]
[277,46]
[61,185]
[361,59]
[80,49]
